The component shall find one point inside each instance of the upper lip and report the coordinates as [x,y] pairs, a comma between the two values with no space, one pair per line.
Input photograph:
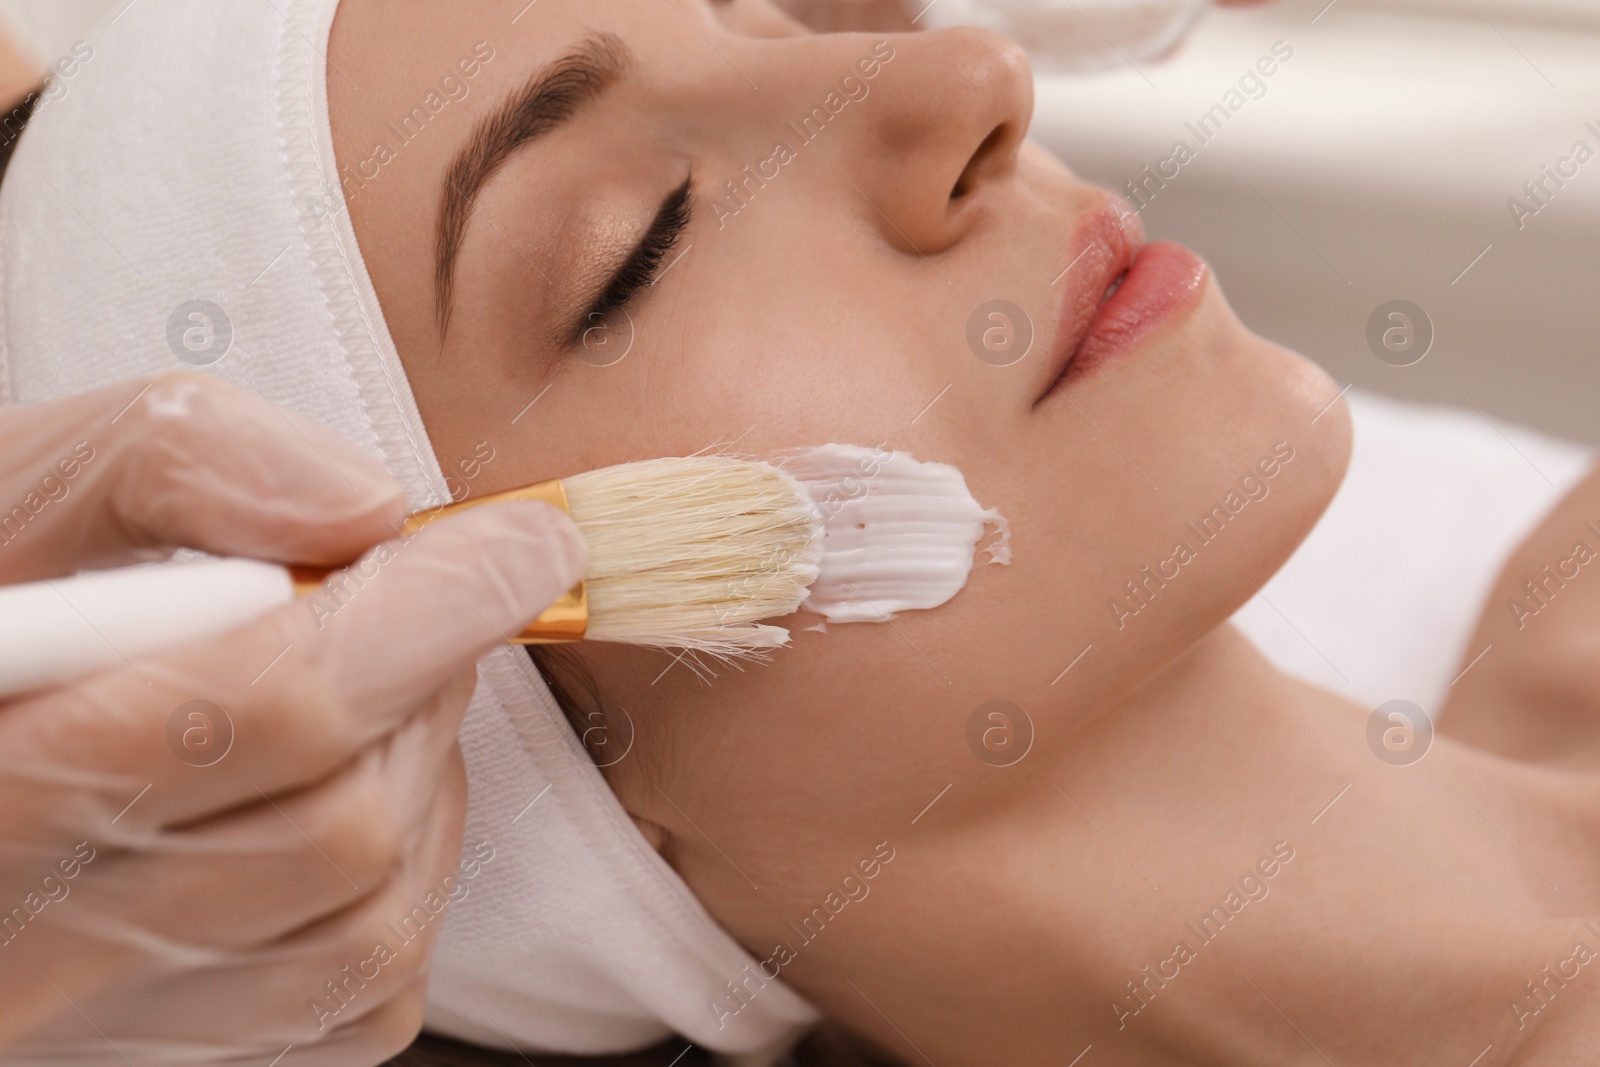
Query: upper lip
[1100,251]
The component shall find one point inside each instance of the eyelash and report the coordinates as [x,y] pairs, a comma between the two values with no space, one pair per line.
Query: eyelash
[642,267]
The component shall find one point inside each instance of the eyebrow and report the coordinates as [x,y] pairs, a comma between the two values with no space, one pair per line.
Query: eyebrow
[551,97]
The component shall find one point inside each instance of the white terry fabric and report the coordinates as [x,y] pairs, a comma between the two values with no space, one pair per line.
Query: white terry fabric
[192,159]
[1379,602]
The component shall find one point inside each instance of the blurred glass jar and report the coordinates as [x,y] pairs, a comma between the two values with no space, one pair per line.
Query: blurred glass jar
[1077,36]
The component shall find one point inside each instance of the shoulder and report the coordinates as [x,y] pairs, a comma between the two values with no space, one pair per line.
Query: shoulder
[1530,681]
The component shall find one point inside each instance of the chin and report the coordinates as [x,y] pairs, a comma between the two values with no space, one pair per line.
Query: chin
[1251,433]
[1314,407]
[1301,404]
[1283,396]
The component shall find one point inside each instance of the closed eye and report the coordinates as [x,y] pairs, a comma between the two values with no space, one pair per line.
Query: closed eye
[643,264]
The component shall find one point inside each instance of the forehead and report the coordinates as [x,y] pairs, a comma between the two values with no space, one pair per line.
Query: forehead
[407,46]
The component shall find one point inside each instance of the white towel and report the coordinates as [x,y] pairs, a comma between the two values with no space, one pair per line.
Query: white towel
[192,160]
[1380,600]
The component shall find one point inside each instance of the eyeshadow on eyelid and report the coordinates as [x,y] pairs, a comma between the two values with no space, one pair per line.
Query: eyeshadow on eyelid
[600,246]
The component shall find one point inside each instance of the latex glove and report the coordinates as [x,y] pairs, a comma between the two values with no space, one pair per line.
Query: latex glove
[156,911]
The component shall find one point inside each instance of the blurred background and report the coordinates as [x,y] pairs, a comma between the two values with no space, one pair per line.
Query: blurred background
[1376,166]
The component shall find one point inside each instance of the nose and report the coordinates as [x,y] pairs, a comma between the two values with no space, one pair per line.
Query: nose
[945,135]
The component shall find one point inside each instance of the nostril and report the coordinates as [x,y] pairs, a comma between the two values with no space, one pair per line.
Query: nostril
[975,165]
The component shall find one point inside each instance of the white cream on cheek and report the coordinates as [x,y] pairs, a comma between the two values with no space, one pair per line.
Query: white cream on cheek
[897,534]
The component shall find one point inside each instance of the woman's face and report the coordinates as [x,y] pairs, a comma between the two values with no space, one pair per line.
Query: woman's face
[814,284]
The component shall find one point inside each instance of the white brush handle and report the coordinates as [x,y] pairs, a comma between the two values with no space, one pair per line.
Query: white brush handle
[59,630]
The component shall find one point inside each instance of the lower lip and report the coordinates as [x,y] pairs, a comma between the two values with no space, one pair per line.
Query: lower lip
[1163,280]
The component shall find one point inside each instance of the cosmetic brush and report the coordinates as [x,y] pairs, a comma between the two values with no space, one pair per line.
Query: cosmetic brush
[685,553]
[689,553]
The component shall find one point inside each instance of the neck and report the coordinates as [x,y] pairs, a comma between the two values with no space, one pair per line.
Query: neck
[1223,870]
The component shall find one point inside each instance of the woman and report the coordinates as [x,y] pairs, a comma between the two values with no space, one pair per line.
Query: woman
[1065,902]
[1197,859]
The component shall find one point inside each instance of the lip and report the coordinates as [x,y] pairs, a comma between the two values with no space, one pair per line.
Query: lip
[1157,281]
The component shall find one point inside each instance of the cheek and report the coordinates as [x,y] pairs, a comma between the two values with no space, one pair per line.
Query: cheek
[799,380]
[781,343]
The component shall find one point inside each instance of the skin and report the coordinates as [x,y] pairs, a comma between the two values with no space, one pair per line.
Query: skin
[19,74]
[1169,760]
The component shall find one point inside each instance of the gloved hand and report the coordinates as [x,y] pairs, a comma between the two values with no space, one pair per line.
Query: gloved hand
[201,853]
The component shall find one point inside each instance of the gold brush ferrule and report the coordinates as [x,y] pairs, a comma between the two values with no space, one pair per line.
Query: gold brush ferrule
[564,621]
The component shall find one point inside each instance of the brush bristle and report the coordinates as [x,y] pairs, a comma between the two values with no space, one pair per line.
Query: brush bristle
[694,552]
